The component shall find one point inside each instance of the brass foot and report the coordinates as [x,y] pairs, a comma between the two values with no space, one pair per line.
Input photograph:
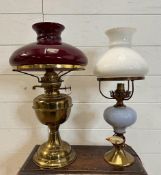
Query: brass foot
[117,156]
[49,156]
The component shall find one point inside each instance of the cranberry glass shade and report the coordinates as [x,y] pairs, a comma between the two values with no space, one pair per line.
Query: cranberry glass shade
[48,51]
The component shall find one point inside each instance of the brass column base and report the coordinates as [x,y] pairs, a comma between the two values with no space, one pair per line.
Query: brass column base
[119,157]
[51,156]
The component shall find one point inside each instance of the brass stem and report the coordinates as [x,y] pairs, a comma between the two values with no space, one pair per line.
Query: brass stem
[54,136]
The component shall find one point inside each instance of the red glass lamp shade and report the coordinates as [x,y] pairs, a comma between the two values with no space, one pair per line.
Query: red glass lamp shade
[48,51]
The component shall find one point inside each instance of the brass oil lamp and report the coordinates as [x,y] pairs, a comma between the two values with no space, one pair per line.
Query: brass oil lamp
[52,108]
[120,63]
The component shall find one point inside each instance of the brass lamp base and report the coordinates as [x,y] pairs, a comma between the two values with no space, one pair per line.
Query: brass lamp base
[53,109]
[119,157]
[49,156]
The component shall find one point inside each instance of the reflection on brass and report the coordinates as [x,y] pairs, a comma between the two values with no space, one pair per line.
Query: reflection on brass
[53,109]
[118,156]
[54,153]
[49,66]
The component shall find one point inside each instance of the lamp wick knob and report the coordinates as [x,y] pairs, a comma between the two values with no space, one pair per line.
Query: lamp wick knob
[66,88]
[37,86]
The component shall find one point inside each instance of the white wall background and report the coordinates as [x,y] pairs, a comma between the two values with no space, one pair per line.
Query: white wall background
[85,21]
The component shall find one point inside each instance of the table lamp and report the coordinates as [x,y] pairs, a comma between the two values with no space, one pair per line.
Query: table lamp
[120,63]
[55,58]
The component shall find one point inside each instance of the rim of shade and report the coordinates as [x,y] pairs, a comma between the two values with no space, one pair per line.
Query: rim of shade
[120,78]
[41,67]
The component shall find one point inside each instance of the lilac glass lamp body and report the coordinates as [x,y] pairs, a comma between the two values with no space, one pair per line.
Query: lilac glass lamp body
[120,118]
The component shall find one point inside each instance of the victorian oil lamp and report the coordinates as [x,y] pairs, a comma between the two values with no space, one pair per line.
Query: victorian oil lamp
[50,55]
[120,63]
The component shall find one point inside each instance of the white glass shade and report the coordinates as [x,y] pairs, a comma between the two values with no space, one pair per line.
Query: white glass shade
[120,60]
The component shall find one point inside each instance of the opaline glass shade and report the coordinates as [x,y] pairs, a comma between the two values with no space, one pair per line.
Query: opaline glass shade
[120,118]
[120,60]
[48,52]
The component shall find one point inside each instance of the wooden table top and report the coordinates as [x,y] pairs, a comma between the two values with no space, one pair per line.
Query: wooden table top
[89,161]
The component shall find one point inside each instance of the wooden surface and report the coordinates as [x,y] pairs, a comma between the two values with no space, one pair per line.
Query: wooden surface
[89,161]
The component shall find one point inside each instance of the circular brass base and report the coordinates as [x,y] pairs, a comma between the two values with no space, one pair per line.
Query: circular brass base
[119,157]
[52,156]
